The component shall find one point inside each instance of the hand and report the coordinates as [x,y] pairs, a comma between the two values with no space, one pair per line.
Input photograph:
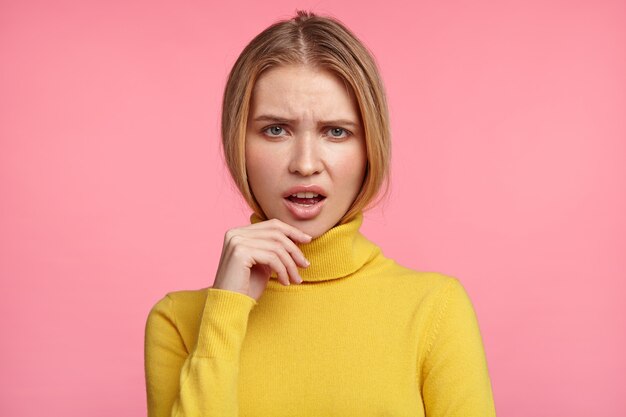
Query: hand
[252,252]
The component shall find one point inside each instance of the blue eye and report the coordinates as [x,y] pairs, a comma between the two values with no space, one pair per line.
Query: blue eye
[338,132]
[274,130]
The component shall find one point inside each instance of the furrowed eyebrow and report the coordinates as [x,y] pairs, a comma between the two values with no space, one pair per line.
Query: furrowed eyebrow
[282,120]
[340,122]
[272,119]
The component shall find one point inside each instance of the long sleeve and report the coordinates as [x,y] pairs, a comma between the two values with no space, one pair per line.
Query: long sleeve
[455,378]
[202,382]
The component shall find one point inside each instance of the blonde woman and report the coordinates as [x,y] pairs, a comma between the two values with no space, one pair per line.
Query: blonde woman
[306,316]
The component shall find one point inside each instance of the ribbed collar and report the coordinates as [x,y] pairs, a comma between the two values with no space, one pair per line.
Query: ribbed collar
[337,253]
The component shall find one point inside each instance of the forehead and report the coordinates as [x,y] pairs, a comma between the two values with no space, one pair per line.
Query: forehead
[300,91]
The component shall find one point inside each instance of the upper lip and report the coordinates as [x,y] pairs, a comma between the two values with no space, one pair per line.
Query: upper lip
[311,188]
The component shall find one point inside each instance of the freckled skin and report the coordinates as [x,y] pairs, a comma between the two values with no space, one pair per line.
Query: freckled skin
[302,148]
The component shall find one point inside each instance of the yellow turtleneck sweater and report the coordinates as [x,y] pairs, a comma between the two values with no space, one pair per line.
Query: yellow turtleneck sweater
[361,336]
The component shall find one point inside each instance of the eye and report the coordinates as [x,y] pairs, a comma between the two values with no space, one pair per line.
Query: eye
[338,133]
[274,131]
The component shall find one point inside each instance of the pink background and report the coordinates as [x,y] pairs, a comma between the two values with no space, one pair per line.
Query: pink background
[509,151]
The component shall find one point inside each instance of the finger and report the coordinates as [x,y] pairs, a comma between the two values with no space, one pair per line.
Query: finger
[271,259]
[290,265]
[293,250]
[247,253]
[275,233]
[282,253]
[290,231]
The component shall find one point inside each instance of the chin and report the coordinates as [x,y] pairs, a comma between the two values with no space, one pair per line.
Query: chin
[313,230]
[312,227]
[316,226]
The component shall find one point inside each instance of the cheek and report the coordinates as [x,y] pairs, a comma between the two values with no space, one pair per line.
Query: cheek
[252,160]
[358,173]
[259,168]
[350,168]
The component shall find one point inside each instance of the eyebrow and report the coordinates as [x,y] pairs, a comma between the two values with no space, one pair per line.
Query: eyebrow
[282,120]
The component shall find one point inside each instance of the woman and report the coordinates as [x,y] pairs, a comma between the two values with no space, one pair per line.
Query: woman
[306,317]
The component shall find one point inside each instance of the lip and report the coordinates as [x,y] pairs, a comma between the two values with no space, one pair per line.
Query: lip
[301,212]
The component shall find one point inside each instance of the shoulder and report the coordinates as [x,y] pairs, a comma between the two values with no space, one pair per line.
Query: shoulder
[432,293]
[180,310]
[442,299]
[181,301]
[417,283]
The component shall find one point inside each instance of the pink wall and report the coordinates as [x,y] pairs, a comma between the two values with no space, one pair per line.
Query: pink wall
[509,172]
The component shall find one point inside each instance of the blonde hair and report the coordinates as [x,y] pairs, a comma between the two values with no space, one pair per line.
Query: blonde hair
[321,42]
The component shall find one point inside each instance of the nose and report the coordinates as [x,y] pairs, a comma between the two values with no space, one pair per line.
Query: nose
[305,155]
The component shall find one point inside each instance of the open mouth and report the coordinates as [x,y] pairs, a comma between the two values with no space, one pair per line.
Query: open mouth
[305,198]
[305,205]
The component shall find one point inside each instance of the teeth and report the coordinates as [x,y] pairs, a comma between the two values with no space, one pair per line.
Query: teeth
[305,195]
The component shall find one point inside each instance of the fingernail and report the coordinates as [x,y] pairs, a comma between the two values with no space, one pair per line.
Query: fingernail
[306,261]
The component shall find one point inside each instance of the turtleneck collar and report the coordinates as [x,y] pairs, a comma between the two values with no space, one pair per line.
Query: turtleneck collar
[338,252]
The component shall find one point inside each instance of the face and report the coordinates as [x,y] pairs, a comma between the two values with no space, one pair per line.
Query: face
[305,147]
